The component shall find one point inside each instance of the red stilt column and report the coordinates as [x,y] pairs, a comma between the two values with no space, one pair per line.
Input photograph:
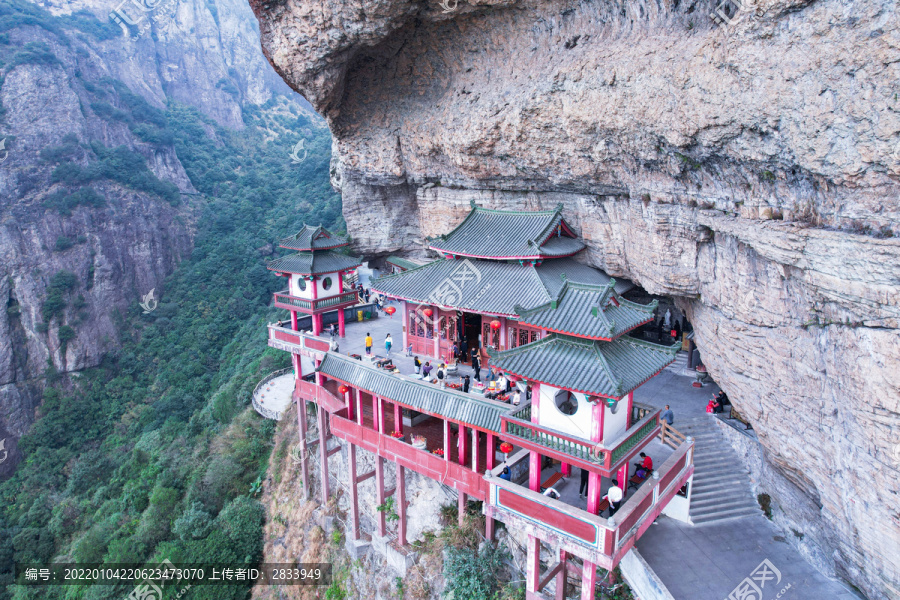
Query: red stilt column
[462,441]
[401,505]
[593,494]
[323,453]
[533,566]
[398,418]
[476,462]
[489,528]
[437,334]
[304,450]
[350,399]
[404,312]
[566,469]
[588,580]
[534,472]
[376,421]
[448,435]
[461,508]
[354,494]
[298,367]
[295,325]
[342,319]
[489,458]
[379,484]
[359,407]
[561,576]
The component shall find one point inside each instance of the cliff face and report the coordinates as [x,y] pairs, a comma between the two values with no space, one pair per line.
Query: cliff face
[62,107]
[748,171]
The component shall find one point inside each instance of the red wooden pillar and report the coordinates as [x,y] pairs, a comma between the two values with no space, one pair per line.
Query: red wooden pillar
[398,418]
[404,312]
[534,472]
[437,333]
[379,485]
[376,421]
[461,508]
[401,505]
[476,462]
[316,318]
[598,411]
[354,494]
[359,407]
[463,444]
[323,453]
[593,494]
[503,341]
[630,408]
[561,576]
[533,566]
[304,461]
[489,458]
[448,435]
[342,318]
[622,476]
[566,469]
[489,528]
[295,325]
[588,580]
[350,401]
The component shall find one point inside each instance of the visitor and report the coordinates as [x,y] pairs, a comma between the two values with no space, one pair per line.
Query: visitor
[646,464]
[367,295]
[517,397]
[333,346]
[614,495]
[722,398]
[426,370]
[442,374]
[583,488]
[505,474]
[417,364]
[676,331]
[501,383]
[368,344]
[476,365]
[551,493]
[463,350]
[466,383]
[332,330]
[454,351]
[409,350]
[668,416]
[388,342]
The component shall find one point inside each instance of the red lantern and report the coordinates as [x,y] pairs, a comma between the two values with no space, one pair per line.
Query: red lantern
[495,324]
[390,310]
[343,389]
[428,312]
[506,447]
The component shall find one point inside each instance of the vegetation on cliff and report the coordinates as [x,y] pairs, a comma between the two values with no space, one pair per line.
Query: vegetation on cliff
[152,455]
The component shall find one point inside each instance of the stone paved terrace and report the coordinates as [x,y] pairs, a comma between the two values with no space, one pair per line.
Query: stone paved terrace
[696,562]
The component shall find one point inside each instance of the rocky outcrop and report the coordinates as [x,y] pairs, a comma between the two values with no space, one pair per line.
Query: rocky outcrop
[749,171]
[61,99]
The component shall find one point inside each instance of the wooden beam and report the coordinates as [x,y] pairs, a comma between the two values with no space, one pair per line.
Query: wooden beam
[334,451]
[549,575]
[365,476]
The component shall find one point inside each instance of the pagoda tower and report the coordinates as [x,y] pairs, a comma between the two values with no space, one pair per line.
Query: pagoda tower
[315,276]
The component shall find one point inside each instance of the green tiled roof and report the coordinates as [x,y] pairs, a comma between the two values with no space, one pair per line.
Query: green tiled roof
[610,369]
[313,263]
[313,238]
[425,397]
[510,235]
[590,311]
[485,286]
[404,263]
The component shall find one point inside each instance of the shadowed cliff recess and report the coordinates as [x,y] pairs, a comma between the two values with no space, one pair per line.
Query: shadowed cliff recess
[745,164]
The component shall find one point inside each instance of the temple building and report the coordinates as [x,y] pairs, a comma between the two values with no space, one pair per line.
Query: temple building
[508,290]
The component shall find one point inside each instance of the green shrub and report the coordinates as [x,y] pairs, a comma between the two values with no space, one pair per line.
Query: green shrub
[62,244]
[472,574]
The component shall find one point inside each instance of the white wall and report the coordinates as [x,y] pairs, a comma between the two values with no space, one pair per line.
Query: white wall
[615,425]
[334,290]
[577,425]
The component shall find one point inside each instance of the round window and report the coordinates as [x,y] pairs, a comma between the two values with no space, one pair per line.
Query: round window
[301,284]
[326,283]
[566,402]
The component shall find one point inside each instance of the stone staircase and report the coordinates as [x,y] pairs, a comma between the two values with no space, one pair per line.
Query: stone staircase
[680,364]
[721,482]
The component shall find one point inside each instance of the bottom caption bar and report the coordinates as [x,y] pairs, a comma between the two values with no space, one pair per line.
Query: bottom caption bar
[167,574]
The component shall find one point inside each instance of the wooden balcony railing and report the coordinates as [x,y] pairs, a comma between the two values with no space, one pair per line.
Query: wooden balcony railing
[604,458]
[589,536]
[284,300]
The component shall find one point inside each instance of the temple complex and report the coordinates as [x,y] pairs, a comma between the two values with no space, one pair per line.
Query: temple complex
[550,338]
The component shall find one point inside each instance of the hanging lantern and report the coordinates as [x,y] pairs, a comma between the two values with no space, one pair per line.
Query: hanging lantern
[495,324]
[506,447]
[343,389]
[390,310]
[428,312]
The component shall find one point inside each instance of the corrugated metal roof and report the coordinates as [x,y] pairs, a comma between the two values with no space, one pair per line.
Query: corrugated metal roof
[510,234]
[592,311]
[609,369]
[313,263]
[425,397]
[313,238]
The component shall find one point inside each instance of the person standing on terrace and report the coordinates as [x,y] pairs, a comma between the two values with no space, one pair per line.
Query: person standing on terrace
[368,344]
[388,342]
[476,365]
[668,416]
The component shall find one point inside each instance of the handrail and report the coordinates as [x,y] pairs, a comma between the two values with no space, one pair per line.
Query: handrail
[265,412]
[285,298]
[671,436]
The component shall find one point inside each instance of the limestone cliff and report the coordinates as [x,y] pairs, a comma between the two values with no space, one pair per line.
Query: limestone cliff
[70,87]
[750,171]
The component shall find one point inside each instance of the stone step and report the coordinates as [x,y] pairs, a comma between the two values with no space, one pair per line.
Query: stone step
[724,519]
[719,484]
[724,515]
[735,497]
